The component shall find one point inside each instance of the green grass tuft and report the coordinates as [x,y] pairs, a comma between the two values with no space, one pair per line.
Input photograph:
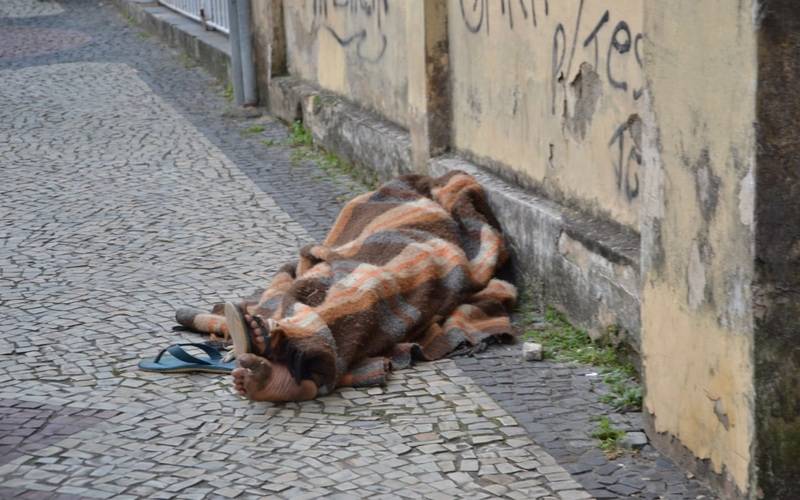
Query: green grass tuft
[300,136]
[227,93]
[563,342]
[302,143]
[254,129]
[626,393]
[609,436]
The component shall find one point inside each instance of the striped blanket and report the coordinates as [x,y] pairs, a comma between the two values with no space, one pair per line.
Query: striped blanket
[406,272]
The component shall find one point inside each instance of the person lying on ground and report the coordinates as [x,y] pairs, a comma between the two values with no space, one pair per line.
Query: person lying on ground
[406,273]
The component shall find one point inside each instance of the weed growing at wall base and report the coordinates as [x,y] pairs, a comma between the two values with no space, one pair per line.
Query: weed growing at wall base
[625,394]
[563,342]
[302,141]
[300,135]
[254,129]
[227,93]
[609,437]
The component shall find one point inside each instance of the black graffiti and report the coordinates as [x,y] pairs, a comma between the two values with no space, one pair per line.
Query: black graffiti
[319,8]
[359,38]
[368,7]
[476,16]
[593,38]
[476,13]
[621,47]
[558,62]
[621,42]
[370,44]
[575,38]
[622,165]
[637,93]
[508,5]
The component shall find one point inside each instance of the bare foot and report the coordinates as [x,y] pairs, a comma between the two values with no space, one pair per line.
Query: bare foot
[259,380]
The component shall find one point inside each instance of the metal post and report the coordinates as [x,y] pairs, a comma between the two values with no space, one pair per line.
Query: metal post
[246,52]
[236,56]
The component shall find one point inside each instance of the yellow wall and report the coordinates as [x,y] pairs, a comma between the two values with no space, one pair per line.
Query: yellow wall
[550,89]
[697,228]
[354,48]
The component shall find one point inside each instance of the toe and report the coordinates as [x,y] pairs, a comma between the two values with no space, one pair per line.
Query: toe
[258,339]
[249,360]
[260,368]
[239,377]
[238,374]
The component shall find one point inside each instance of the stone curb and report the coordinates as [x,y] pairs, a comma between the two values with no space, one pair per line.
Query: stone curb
[363,138]
[210,49]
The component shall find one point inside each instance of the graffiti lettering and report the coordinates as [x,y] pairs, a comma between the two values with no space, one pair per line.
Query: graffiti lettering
[593,38]
[575,38]
[620,43]
[370,41]
[609,47]
[620,46]
[558,60]
[627,159]
[476,16]
[637,93]
[623,169]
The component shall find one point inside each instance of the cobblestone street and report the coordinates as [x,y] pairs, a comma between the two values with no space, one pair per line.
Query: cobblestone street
[131,189]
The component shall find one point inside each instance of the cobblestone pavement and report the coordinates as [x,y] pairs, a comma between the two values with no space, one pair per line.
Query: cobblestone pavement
[130,189]
[28,8]
[558,405]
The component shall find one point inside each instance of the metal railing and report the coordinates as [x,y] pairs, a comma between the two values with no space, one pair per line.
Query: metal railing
[213,13]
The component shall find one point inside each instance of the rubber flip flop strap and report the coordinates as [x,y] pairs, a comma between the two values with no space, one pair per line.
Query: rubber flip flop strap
[212,351]
[177,351]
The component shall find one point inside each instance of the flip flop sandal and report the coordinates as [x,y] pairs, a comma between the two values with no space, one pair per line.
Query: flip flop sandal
[174,359]
[240,331]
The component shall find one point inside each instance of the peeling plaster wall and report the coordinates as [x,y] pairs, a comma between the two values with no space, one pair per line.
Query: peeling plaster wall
[697,231]
[548,92]
[354,48]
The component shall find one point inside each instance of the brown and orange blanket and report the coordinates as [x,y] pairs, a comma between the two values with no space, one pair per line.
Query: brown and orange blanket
[407,272]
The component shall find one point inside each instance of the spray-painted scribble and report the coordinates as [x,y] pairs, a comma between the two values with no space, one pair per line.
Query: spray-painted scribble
[580,45]
[475,13]
[366,19]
